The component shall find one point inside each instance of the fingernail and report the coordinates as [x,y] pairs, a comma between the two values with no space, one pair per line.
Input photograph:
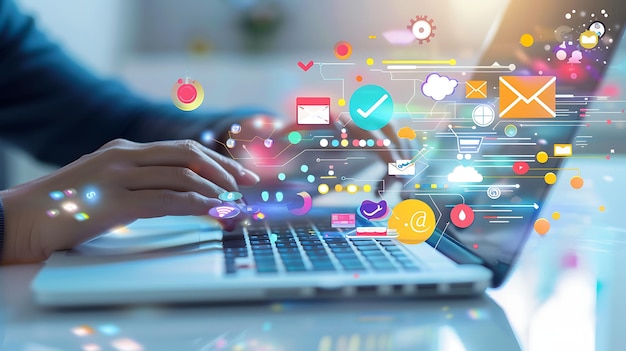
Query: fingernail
[251,175]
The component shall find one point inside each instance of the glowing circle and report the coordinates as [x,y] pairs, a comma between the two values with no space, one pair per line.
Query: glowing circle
[556,216]
[370,142]
[359,78]
[344,143]
[281,176]
[576,182]
[362,143]
[323,189]
[335,143]
[324,142]
[527,40]
[235,128]
[342,50]
[187,94]
[230,143]
[310,178]
[338,188]
[294,137]
[352,189]
[367,188]
[550,178]
[341,102]
[542,226]
[369,61]
[601,208]
[510,130]
[561,55]
[355,142]
[542,157]
[304,168]
[386,142]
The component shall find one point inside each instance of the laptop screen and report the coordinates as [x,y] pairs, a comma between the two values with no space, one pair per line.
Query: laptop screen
[474,147]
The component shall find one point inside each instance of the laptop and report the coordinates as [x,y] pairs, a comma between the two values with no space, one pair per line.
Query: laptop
[333,221]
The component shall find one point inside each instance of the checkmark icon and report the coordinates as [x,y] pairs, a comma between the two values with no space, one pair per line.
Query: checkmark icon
[373,108]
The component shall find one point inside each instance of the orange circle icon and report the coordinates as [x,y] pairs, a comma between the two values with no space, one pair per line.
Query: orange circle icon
[542,226]
[343,50]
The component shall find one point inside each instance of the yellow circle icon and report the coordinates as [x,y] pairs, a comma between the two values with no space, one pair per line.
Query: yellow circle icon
[369,61]
[527,40]
[341,102]
[550,178]
[588,39]
[542,157]
[413,220]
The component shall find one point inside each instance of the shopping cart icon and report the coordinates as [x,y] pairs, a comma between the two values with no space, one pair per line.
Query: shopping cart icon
[469,145]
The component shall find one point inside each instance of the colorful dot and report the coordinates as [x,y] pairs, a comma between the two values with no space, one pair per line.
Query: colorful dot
[304,168]
[310,178]
[475,246]
[379,142]
[282,176]
[576,182]
[550,178]
[362,143]
[324,142]
[556,216]
[542,157]
[542,226]
[338,188]
[527,40]
[352,189]
[344,135]
[359,78]
[369,61]
[608,121]
[370,142]
[341,102]
[602,208]
[294,137]
[355,142]
[335,143]
[323,189]
[367,188]
[344,143]
[386,142]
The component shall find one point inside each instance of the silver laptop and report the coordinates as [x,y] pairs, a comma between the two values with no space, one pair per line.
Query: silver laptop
[302,240]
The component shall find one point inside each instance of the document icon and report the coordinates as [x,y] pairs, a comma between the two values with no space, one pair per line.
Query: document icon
[562,150]
[401,168]
[312,110]
[476,89]
[527,97]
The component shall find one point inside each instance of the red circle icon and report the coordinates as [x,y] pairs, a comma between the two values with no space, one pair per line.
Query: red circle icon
[520,168]
[187,94]
[462,216]
[343,50]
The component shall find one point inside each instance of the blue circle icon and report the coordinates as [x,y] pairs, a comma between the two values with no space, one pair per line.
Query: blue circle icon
[371,107]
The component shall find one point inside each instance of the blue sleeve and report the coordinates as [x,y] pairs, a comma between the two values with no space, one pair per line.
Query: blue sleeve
[1,230]
[57,110]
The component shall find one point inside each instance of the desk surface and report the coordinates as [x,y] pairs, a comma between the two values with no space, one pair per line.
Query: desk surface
[563,295]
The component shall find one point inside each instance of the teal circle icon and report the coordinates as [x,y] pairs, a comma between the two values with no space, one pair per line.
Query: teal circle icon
[371,107]
[510,130]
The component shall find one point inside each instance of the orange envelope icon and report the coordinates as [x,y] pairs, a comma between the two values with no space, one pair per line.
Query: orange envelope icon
[527,97]
[476,89]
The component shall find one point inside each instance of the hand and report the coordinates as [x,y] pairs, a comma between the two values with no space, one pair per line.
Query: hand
[115,185]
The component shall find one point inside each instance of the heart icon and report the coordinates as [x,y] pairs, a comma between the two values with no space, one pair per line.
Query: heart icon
[305,67]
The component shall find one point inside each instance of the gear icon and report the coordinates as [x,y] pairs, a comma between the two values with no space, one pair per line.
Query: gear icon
[422,28]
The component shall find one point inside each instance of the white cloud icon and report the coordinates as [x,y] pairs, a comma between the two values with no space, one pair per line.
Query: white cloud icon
[438,87]
[465,175]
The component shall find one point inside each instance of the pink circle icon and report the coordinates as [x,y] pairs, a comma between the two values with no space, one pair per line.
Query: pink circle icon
[187,94]
[462,216]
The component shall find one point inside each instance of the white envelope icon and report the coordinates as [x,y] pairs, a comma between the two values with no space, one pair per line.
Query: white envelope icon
[312,110]
[588,39]
[401,167]
[562,150]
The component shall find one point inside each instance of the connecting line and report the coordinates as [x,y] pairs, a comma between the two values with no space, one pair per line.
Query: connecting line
[441,236]
[343,81]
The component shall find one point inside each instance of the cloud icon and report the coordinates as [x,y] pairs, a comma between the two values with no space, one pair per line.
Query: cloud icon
[407,133]
[438,87]
[465,175]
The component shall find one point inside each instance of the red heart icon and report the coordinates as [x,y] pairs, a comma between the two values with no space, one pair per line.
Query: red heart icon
[521,168]
[305,67]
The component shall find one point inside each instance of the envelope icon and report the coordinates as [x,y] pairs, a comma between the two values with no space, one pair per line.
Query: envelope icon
[527,97]
[401,168]
[476,89]
[313,110]
[591,39]
[562,150]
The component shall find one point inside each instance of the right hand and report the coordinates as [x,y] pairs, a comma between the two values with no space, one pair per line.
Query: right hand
[130,181]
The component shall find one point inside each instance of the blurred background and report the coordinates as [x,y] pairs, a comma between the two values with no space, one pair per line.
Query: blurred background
[242,51]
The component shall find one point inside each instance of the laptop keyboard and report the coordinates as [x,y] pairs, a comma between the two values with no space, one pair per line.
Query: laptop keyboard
[302,247]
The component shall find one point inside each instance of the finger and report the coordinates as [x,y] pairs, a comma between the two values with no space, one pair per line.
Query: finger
[243,176]
[159,203]
[179,179]
[184,153]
